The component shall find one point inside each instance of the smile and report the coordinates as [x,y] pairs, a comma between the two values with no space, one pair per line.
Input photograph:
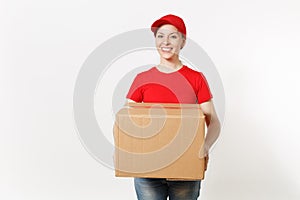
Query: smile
[166,49]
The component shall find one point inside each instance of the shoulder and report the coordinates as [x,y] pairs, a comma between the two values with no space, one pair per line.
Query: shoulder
[192,72]
[146,73]
[144,76]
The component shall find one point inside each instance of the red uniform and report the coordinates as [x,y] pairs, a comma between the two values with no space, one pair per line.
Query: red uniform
[182,86]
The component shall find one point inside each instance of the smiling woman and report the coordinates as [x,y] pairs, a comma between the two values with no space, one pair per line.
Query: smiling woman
[168,43]
[172,82]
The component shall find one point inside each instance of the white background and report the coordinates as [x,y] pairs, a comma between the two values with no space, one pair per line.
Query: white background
[254,44]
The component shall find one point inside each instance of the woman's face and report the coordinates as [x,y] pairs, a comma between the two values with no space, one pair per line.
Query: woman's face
[169,41]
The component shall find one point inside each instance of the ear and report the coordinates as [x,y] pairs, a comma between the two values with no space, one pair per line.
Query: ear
[183,43]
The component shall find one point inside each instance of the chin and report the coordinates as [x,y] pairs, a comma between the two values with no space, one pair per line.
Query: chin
[167,56]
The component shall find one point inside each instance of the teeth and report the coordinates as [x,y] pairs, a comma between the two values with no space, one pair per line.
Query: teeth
[166,48]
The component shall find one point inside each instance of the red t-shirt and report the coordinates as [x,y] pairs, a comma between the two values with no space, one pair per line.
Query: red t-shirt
[183,86]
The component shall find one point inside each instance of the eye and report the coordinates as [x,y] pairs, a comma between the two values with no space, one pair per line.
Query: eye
[160,36]
[174,36]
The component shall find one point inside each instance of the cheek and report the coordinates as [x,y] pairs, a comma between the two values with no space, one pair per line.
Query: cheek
[178,45]
[181,44]
[157,42]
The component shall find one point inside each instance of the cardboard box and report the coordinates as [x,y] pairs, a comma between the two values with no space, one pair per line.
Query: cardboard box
[159,141]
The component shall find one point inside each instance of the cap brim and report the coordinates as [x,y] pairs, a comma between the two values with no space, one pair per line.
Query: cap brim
[158,23]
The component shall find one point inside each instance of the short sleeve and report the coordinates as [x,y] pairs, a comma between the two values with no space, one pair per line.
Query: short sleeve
[203,93]
[135,91]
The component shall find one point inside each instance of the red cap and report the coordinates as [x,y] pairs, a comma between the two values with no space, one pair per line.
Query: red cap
[169,19]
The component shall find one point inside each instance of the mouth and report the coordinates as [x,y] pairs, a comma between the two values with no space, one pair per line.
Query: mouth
[166,49]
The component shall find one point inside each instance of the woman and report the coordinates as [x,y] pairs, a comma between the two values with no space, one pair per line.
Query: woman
[173,82]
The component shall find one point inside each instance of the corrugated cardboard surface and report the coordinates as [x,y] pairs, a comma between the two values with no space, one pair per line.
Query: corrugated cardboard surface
[159,141]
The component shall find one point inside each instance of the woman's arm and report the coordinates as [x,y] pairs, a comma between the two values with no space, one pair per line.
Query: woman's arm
[213,127]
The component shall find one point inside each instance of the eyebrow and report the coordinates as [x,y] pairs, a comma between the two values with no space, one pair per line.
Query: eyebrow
[169,34]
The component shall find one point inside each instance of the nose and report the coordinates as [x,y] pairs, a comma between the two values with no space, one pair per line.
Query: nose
[166,40]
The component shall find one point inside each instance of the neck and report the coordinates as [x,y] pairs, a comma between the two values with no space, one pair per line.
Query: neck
[172,64]
[169,67]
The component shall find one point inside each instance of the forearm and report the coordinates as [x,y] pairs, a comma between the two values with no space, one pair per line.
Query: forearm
[213,132]
[213,127]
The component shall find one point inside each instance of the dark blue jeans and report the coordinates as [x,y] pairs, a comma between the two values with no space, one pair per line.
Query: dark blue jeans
[160,189]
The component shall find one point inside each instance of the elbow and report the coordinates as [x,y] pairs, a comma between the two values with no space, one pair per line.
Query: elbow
[218,126]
